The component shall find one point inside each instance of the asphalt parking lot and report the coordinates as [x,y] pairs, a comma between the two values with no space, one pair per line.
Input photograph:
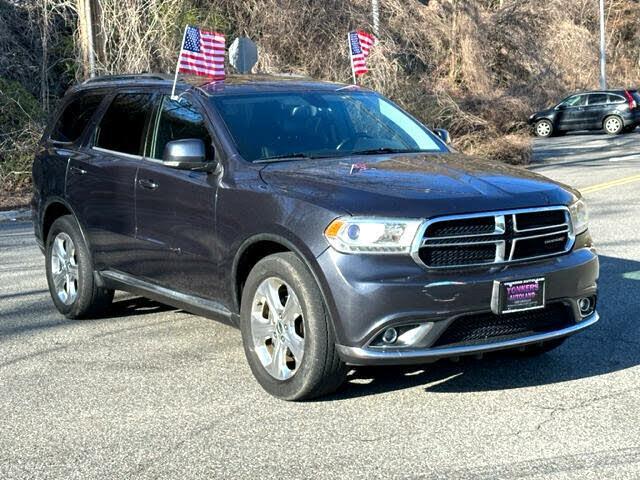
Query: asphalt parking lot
[152,392]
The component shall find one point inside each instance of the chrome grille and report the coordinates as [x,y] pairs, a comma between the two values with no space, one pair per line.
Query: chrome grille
[494,237]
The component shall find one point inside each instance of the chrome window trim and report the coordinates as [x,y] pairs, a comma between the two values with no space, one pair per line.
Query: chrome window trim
[116,153]
[500,258]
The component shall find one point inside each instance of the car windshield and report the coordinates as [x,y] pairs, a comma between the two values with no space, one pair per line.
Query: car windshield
[286,126]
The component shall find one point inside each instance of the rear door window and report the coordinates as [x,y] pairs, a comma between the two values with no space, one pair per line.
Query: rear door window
[178,120]
[75,118]
[122,128]
[598,99]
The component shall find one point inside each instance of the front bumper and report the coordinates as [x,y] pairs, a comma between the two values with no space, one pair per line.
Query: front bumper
[370,356]
[368,294]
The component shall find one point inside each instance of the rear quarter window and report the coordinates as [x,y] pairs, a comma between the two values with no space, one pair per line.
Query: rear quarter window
[597,99]
[75,117]
[122,128]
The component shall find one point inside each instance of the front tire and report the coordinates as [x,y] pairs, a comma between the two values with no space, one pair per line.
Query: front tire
[70,273]
[287,335]
[543,128]
[613,125]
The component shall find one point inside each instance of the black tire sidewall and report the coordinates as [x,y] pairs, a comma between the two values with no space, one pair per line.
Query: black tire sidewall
[318,337]
[83,301]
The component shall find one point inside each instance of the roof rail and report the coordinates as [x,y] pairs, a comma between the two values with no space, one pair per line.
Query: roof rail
[125,78]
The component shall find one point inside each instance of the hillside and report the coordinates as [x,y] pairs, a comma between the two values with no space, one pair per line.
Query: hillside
[477,68]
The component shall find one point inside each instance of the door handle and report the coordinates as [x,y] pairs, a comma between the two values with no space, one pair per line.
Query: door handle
[77,170]
[148,184]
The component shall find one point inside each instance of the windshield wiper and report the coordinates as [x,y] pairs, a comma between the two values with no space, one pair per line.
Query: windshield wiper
[283,158]
[291,156]
[376,151]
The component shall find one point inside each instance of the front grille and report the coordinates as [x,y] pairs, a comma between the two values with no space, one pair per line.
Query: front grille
[460,255]
[493,238]
[473,226]
[488,327]
[539,220]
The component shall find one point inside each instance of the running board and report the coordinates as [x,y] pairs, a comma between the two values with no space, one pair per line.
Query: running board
[191,303]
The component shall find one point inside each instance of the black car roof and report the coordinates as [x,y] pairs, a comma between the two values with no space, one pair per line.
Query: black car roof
[233,84]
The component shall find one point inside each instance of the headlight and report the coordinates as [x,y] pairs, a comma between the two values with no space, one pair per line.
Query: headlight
[579,216]
[372,235]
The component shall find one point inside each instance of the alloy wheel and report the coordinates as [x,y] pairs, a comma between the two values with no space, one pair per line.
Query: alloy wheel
[64,268]
[543,129]
[612,125]
[277,328]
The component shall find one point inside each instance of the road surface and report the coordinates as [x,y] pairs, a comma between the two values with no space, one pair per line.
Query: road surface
[153,392]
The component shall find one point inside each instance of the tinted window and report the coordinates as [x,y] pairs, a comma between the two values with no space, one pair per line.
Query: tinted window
[178,120]
[122,126]
[75,118]
[597,99]
[575,101]
[615,99]
[320,124]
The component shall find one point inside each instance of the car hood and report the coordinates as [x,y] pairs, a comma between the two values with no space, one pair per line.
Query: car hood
[415,185]
[544,113]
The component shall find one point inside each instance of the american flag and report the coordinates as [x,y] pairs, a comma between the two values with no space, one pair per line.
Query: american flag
[202,53]
[360,44]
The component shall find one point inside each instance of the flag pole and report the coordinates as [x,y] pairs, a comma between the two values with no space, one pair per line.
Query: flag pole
[353,70]
[175,78]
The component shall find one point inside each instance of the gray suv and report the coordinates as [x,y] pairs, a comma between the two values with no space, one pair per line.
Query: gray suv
[327,223]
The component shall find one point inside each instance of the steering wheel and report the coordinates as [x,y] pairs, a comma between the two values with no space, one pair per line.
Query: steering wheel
[351,141]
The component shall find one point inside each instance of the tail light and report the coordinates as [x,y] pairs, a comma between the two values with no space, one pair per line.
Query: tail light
[632,102]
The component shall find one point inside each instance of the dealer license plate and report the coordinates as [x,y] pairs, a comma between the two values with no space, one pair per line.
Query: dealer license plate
[518,295]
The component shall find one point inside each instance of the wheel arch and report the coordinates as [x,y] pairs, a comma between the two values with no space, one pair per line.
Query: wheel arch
[262,245]
[55,208]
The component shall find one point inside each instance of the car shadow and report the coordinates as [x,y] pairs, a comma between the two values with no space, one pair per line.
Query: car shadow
[611,345]
[134,306]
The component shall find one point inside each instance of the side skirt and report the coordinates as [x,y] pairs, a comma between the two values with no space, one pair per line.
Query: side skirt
[190,303]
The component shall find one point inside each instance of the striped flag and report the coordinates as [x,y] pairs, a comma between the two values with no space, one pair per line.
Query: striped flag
[202,53]
[360,44]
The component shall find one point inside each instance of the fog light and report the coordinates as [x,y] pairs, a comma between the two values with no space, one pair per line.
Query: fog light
[585,305]
[390,336]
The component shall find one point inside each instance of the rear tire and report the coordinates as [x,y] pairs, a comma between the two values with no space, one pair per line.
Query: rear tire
[543,128]
[613,125]
[288,338]
[70,274]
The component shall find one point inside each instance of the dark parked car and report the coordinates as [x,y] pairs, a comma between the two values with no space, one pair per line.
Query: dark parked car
[614,111]
[332,227]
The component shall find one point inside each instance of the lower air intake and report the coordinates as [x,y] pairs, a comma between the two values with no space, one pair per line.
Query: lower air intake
[488,327]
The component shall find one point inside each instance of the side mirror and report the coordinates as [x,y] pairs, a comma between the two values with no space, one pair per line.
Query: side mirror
[560,107]
[443,135]
[188,154]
